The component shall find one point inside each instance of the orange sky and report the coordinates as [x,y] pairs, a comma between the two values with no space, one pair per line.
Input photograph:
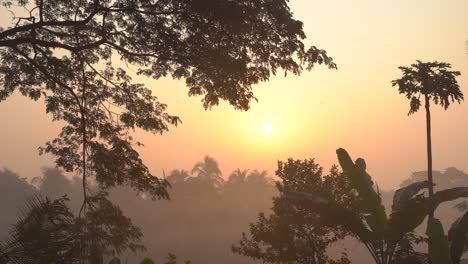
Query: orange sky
[354,107]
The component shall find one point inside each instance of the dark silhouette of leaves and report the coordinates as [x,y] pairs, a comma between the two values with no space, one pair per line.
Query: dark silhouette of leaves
[294,231]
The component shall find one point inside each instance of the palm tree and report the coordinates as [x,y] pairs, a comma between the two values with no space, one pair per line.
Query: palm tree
[44,233]
[47,232]
[178,176]
[208,170]
[434,81]
[258,177]
[238,176]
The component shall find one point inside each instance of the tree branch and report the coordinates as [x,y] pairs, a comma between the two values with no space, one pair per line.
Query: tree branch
[48,75]
[18,29]
[49,44]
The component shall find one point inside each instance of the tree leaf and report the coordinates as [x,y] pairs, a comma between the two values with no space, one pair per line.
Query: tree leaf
[362,183]
[406,217]
[415,104]
[439,252]
[449,195]
[402,195]
[457,236]
[334,213]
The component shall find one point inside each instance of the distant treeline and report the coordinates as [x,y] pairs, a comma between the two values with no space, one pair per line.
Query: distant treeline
[205,216]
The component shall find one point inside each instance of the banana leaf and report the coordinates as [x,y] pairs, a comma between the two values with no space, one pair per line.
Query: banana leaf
[362,182]
[439,252]
[332,213]
[449,195]
[457,236]
[406,218]
[404,194]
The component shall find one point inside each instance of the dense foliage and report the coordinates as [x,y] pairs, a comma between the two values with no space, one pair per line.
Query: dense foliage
[199,222]
[65,52]
[433,80]
[220,47]
[389,239]
[293,233]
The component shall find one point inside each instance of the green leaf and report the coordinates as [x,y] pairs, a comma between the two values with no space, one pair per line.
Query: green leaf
[362,182]
[439,252]
[457,235]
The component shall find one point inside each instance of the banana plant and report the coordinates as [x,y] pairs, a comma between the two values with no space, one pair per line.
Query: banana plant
[443,249]
[381,234]
[458,237]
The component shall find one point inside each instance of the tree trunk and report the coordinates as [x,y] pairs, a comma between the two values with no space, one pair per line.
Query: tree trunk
[429,155]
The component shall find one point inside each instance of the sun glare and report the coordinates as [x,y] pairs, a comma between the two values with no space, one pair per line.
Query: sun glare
[267,127]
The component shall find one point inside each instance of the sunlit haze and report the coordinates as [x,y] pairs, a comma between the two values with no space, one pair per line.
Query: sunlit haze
[267,127]
[307,116]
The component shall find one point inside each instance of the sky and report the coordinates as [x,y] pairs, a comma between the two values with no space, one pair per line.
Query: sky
[354,107]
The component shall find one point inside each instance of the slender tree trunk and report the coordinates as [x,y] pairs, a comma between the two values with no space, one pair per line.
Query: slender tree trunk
[429,155]
[83,164]
[83,134]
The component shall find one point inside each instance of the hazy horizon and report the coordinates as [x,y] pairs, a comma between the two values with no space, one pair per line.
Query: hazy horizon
[312,115]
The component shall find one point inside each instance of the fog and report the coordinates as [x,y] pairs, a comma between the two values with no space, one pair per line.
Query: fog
[204,217]
[221,131]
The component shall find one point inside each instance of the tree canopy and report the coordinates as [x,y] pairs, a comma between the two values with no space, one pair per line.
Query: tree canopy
[293,233]
[220,47]
[64,52]
[433,80]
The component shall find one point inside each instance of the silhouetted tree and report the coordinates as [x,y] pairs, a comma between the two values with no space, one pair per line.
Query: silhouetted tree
[256,177]
[236,182]
[178,177]
[449,178]
[196,224]
[237,177]
[390,239]
[13,191]
[53,184]
[48,233]
[293,233]
[221,48]
[445,179]
[183,185]
[435,82]
[63,51]
[41,234]
[95,140]
[208,170]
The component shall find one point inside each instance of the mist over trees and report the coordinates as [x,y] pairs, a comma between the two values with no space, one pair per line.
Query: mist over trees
[202,222]
[14,190]
[65,53]
[70,55]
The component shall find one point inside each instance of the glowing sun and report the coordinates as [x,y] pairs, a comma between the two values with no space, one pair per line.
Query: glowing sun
[267,127]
